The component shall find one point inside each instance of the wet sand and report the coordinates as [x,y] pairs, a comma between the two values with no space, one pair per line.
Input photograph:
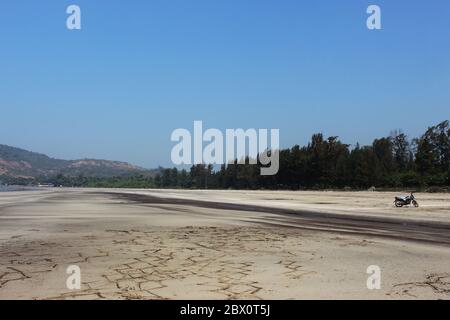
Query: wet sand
[172,244]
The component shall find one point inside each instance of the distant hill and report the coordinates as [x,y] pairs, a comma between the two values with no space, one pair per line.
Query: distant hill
[19,163]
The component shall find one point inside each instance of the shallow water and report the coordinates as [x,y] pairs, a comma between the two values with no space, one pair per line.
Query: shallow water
[4,188]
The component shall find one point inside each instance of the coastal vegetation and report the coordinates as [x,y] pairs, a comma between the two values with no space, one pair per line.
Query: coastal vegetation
[394,161]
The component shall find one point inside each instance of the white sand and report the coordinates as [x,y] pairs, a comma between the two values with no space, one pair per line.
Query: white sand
[129,250]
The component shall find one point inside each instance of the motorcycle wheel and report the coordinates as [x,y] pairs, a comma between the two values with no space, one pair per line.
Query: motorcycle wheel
[398,204]
[415,203]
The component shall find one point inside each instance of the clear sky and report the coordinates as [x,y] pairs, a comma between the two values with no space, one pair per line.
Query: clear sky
[140,69]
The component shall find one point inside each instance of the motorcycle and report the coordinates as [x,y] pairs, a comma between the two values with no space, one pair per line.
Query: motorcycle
[406,200]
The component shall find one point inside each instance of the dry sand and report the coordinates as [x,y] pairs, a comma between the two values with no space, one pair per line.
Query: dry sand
[172,244]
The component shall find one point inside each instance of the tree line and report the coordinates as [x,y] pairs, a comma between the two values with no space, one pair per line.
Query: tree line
[324,163]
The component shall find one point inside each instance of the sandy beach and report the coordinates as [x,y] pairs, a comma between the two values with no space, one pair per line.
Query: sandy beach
[176,244]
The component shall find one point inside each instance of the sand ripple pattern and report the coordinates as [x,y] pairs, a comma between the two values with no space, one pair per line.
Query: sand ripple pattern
[160,264]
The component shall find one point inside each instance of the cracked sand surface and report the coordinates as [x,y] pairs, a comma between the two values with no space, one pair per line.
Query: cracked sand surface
[128,250]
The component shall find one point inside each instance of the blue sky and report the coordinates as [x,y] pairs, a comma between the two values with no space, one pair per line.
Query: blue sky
[140,69]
